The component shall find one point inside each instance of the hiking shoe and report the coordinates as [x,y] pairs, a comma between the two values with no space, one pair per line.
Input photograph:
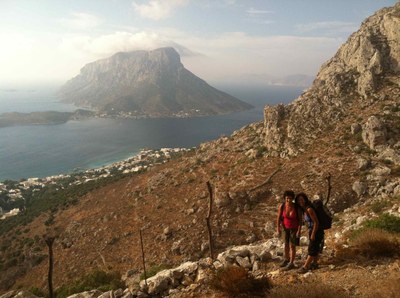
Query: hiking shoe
[284,263]
[288,267]
[314,266]
[302,270]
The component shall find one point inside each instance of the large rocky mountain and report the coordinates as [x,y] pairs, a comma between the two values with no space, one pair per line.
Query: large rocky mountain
[346,125]
[361,75]
[146,83]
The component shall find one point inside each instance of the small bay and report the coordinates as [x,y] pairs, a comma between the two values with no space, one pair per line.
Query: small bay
[45,150]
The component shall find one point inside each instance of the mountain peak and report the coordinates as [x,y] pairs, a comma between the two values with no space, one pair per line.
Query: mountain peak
[355,79]
[146,83]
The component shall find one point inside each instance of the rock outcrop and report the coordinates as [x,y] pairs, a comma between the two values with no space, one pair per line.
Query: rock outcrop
[368,62]
[146,83]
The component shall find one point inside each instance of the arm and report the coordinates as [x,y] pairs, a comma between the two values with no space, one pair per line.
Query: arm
[315,221]
[278,220]
[300,217]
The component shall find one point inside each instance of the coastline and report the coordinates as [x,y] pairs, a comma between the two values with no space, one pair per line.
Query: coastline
[44,150]
[14,192]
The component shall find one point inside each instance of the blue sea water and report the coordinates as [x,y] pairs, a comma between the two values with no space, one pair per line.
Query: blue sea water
[45,150]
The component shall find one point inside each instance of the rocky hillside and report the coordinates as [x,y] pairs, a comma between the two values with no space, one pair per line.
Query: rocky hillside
[146,83]
[359,77]
[342,126]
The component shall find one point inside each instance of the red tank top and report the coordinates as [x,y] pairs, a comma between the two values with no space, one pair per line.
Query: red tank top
[291,221]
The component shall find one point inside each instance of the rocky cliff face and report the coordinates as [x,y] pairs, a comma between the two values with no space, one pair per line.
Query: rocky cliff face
[150,83]
[358,78]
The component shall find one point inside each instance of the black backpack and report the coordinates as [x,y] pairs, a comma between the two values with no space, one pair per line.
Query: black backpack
[324,216]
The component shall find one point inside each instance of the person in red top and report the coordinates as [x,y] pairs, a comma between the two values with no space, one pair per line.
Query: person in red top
[289,217]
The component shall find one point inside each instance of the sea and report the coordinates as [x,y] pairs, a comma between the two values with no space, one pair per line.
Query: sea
[47,150]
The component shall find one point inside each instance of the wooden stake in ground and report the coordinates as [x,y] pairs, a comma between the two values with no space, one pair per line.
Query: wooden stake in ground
[49,241]
[328,179]
[144,263]
[208,220]
[268,180]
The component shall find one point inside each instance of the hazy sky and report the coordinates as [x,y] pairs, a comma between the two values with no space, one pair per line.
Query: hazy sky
[219,40]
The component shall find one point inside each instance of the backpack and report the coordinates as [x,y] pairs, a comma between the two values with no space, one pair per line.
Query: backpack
[324,216]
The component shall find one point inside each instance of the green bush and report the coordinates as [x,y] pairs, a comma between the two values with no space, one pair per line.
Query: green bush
[37,259]
[260,151]
[385,222]
[38,292]
[153,270]
[98,279]
[378,206]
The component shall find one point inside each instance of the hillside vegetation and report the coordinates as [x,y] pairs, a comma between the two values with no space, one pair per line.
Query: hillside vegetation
[347,125]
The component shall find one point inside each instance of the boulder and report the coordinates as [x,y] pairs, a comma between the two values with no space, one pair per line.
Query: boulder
[355,128]
[359,188]
[243,262]
[391,155]
[19,294]
[374,132]
[363,164]
[157,284]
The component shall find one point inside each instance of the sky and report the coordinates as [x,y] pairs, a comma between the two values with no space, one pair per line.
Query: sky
[221,41]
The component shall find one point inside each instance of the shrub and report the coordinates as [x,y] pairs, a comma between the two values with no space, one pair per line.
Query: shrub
[37,259]
[378,206]
[153,270]
[235,282]
[396,171]
[388,287]
[375,243]
[11,263]
[386,222]
[387,161]
[28,242]
[38,292]
[307,290]
[98,279]
[213,172]
[260,151]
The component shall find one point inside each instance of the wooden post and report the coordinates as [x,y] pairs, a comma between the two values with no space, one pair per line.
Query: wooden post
[208,220]
[268,180]
[328,179]
[144,263]
[49,241]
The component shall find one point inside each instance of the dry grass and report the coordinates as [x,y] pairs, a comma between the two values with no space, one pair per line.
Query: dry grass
[389,288]
[307,290]
[374,243]
[236,282]
[370,243]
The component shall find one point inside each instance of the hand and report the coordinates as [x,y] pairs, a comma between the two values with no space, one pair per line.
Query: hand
[312,237]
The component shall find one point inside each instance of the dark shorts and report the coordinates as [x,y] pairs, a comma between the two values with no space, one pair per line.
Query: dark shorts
[314,247]
[290,235]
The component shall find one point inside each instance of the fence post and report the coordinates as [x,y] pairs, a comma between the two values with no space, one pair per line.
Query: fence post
[208,220]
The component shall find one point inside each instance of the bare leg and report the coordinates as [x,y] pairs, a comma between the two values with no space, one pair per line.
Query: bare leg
[309,260]
[292,252]
[287,248]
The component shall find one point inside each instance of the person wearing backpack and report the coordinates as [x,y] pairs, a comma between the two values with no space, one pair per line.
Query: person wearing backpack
[289,217]
[315,232]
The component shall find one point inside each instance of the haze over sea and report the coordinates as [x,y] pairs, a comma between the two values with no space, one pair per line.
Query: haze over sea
[46,150]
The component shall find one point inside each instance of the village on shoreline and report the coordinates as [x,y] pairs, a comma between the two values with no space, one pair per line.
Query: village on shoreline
[12,191]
